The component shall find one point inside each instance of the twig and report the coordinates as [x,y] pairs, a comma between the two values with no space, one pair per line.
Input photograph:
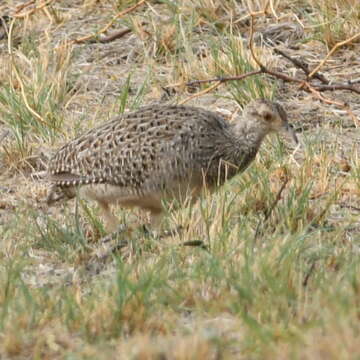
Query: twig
[251,42]
[304,85]
[307,276]
[210,88]
[286,78]
[302,65]
[262,67]
[277,199]
[23,6]
[271,208]
[335,47]
[351,207]
[30,12]
[353,81]
[224,79]
[255,13]
[107,26]
[333,102]
[327,87]
[111,37]
[333,87]
[322,98]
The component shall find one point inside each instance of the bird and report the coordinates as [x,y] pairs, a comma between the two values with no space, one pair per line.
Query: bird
[160,154]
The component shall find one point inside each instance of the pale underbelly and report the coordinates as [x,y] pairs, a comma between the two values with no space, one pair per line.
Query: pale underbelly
[154,201]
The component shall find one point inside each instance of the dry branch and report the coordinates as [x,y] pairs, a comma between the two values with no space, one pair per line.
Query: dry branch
[335,47]
[218,82]
[111,37]
[302,65]
[200,93]
[31,11]
[304,84]
[308,274]
[328,86]
[107,26]
[23,6]
[224,79]
[276,200]
[268,212]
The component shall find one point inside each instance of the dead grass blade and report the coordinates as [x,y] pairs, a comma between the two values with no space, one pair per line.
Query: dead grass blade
[18,77]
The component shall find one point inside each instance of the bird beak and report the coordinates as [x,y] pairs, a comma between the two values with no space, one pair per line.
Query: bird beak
[289,129]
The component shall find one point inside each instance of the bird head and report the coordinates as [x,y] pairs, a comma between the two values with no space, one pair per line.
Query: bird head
[270,116]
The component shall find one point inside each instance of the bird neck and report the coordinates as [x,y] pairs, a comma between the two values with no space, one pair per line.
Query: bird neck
[249,135]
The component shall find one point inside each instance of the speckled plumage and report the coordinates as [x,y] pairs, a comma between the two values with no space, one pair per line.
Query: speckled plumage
[157,152]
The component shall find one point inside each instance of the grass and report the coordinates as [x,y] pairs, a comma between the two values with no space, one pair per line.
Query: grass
[286,287]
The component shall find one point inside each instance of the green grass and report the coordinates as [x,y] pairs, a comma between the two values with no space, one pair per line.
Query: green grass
[279,278]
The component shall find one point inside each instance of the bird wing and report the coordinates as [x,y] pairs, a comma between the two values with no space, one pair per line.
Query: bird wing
[135,153]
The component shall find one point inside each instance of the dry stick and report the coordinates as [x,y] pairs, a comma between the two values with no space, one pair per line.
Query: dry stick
[333,102]
[336,46]
[111,37]
[251,43]
[277,199]
[286,78]
[303,84]
[351,207]
[333,87]
[302,65]
[271,208]
[106,27]
[263,68]
[218,82]
[354,81]
[224,79]
[322,98]
[23,6]
[256,13]
[327,87]
[30,12]
[307,276]
[212,87]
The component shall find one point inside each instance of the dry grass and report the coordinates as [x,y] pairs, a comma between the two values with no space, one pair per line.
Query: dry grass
[284,288]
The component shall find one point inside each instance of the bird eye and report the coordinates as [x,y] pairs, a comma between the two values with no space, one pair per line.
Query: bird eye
[267,116]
